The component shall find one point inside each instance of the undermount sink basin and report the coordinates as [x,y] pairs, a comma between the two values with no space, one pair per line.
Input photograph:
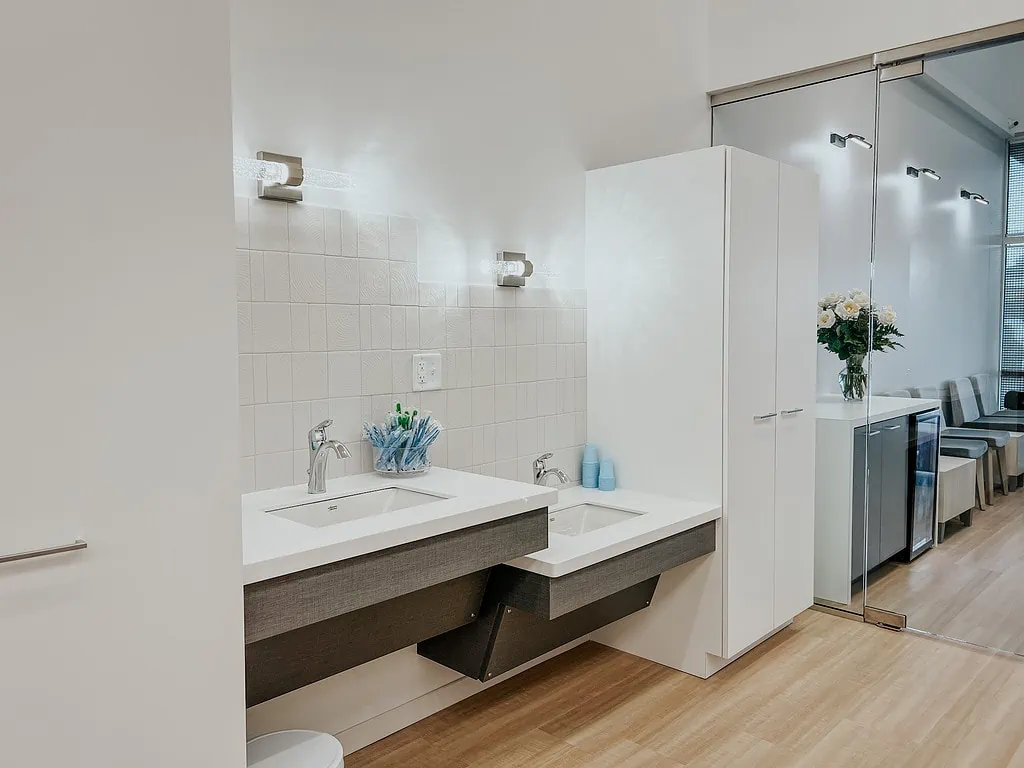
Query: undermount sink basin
[584,518]
[342,509]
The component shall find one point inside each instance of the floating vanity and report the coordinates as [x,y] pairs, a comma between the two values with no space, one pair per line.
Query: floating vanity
[372,566]
[605,554]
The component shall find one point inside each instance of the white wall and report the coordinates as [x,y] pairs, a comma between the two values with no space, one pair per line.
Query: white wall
[477,119]
[118,394]
[753,41]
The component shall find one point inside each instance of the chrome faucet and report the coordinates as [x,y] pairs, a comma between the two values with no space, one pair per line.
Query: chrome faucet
[541,472]
[319,452]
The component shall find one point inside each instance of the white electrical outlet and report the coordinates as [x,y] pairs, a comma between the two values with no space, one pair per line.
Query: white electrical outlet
[426,372]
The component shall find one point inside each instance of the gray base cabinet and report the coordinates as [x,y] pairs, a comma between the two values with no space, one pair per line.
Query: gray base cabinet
[885,448]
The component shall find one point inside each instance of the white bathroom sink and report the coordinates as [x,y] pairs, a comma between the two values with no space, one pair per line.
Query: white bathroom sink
[342,509]
[584,518]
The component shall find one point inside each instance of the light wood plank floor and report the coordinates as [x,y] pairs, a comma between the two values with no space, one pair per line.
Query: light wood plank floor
[827,691]
[970,587]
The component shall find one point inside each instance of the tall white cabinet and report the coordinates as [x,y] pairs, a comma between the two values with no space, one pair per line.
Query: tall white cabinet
[702,282]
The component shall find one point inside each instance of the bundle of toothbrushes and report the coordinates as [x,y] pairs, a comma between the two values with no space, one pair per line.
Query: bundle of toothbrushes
[403,441]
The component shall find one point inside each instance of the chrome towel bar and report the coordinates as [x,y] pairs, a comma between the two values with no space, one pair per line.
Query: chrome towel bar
[34,553]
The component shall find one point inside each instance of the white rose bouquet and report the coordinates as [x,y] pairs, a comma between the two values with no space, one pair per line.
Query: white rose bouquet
[847,324]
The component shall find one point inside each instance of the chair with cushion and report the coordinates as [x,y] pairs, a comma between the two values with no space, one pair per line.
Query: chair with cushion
[966,414]
[987,397]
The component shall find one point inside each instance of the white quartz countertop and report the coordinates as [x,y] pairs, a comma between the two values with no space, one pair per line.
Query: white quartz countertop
[881,408]
[659,518]
[273,546]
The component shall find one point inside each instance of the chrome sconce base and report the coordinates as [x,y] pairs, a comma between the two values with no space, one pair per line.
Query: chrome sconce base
[513,269]
[288,190]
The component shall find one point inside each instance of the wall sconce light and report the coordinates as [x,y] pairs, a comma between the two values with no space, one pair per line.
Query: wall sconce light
[967,195]
[278,177]
[840,141]
[513,269]
[915,172]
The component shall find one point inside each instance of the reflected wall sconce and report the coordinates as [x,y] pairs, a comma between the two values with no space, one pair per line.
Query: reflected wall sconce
[279,177]
[968,195]
[916,172]
[512,269]
[840,141]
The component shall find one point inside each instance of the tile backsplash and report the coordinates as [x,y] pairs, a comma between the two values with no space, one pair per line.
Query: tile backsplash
[330,313]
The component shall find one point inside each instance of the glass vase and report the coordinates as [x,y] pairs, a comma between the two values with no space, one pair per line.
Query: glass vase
[853,381]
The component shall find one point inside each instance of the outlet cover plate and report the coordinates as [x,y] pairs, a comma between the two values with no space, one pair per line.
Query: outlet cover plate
[426,372]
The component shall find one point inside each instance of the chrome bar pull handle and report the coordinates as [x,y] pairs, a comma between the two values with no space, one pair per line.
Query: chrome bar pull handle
[791,411]
[890,429]
[765,417]
[32,554]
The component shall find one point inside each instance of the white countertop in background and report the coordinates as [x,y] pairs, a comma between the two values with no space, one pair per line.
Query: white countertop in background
[273,546]
[882,408]
[661,517]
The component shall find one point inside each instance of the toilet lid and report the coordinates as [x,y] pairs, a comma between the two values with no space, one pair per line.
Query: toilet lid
[294,749]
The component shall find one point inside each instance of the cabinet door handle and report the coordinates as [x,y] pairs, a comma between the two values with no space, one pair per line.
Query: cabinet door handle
[791,411]
[16,557]
[765,417]
[890,429]
[876,432]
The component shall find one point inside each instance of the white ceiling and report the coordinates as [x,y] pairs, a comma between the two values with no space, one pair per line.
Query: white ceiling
[989,83]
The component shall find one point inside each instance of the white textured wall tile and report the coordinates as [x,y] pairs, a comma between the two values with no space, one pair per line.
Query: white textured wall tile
[457,324]
[526,361]
[566,396]
[279,378]
[580,430]
[483,366]
[245,341]
[460,408]
[511,327]
[432,328]
[380,326]
[579,325]
[580,359]
[245,394]
[276,280]
[566,430]
[527,321]
[439,451]
[242,222]
[527,437]
[342,280]
[243,282]
[581,394]
[332,231]
[398,328]
[463,368]
[464,295]
[481,296]
[348,419]
[257,282]
[507,470]
[306,229]
[505,441]
[247,430]
[435,403]
[309,375]
[308,278]
[259,379]
[401,371]
[344,376]
[431,294]
[273,427]
[300,327]
[526,401]
[271,327]
[460,448]
[350,234]
[247,474]
[404,245]
[546,367]
[500,367]
[274,470]
[319,411]
[526,467]
[268,225]
[499,327]
[547,398]
[505,404]
[374,282]
[343,332]
[511,365]
[483,406]
[550,326]
[451,295]
[548,433]
[376,372]
[566,326]
[412,327]
[301,424]
[484,447]
[505,297]
[404,283]
[481,324]
[373,236]
[317,328]
[365,331]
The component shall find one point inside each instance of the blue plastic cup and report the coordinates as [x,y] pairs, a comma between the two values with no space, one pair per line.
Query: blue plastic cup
[606,480]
